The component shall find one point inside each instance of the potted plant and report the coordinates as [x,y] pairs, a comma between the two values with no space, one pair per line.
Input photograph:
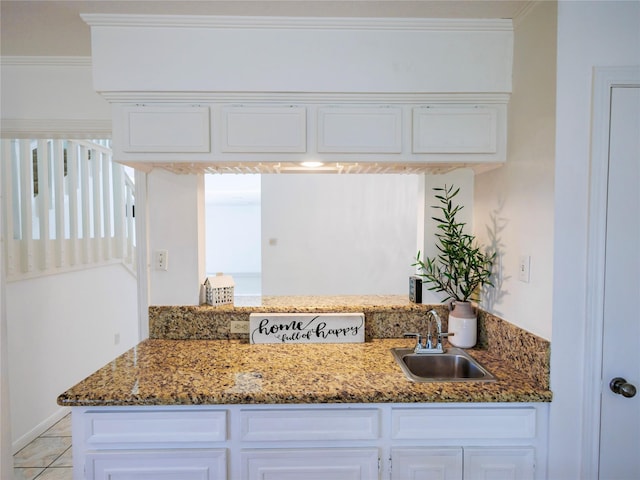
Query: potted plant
[459,269]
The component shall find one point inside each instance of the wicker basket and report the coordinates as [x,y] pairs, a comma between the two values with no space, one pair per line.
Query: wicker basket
[219,289]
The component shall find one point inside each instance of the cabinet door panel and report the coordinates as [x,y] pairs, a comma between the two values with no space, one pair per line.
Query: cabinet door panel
[455,130]
[335,424]
[426,463]
[264,129]
[499,463]
[157,465]
[359,130]
[152,428]
[463,423]
[310,464]
[153,129]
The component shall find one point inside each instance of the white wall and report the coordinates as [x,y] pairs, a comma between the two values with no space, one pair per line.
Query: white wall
[338,234]
[176,224]
[42,96]
[463,179]
[6,460]
[61,328]
[513,205]
[602,33]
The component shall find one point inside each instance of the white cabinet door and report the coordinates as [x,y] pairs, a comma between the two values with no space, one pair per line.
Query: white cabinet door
[157,465]
[263,129]
[164,129]
[360,130]
[499,463]
[310,464]
[462,129]
[426,463]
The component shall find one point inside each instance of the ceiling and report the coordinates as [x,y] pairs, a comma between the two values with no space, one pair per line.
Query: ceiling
[52,28]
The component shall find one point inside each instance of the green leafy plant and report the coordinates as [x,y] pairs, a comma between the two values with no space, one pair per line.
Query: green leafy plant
[460,267]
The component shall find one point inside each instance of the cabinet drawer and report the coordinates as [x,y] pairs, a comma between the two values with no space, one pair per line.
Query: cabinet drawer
[160,464]
[310,424]
[463,423]
[199,426]
[313,464]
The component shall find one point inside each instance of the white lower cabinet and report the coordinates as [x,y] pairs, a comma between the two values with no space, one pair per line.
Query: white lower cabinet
[310,464]
[499,463]
[463,463]
[311,442]
[426,463]
[157,464]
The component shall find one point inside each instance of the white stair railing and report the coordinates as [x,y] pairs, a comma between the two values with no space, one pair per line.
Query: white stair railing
[67,207]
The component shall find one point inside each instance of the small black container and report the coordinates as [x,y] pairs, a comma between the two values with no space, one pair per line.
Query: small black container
[415,289]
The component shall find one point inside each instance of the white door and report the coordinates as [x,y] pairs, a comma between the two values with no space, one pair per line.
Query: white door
[620,414]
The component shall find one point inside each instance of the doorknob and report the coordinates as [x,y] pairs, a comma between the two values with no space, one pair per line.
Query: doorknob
[621,387]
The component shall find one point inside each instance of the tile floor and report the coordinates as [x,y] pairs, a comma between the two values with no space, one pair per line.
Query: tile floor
[48,457]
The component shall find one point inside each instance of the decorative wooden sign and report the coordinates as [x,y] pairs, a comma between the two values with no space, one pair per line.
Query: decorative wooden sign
[306,327]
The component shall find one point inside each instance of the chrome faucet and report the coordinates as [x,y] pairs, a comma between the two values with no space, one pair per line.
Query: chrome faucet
[428,347]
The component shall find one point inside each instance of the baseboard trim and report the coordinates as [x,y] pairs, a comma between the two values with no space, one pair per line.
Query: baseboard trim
[39,429]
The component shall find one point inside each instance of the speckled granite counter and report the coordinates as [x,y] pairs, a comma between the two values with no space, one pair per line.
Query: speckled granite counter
[192,358]
[386,316]
[179,372]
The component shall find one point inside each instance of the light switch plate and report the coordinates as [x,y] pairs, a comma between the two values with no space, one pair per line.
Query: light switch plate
[524,268]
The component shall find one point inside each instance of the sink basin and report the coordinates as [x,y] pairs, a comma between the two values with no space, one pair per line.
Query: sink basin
[455,365]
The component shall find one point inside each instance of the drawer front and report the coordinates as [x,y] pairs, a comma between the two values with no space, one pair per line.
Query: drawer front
[158,465]
[463,423]
[311,464]
[130,427]
[310,424]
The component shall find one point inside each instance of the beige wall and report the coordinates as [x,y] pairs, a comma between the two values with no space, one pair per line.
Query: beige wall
[513,205]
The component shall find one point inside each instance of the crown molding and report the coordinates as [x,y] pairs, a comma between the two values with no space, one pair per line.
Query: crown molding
[265,22]
[55,128]
[39,61]
[524,11]
[290,98]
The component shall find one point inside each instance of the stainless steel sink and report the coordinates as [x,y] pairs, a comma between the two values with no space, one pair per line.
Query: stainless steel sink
[455,365]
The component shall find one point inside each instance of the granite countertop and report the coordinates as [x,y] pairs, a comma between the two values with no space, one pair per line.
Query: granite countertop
[199,372]
[304,303]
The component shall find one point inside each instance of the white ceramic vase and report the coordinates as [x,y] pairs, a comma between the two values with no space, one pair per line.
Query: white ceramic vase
[463,323]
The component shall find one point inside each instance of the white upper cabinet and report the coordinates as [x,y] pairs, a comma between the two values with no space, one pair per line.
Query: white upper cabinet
[263,129]
[251,137]
[477,133]
[154,129]
[359,130]
[455,130]
[264,94]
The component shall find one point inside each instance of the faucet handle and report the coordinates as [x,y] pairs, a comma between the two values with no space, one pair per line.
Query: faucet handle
[441,335]
[417,336]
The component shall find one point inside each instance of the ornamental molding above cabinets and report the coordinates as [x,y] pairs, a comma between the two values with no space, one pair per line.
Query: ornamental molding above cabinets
[263,94]
[142,53]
